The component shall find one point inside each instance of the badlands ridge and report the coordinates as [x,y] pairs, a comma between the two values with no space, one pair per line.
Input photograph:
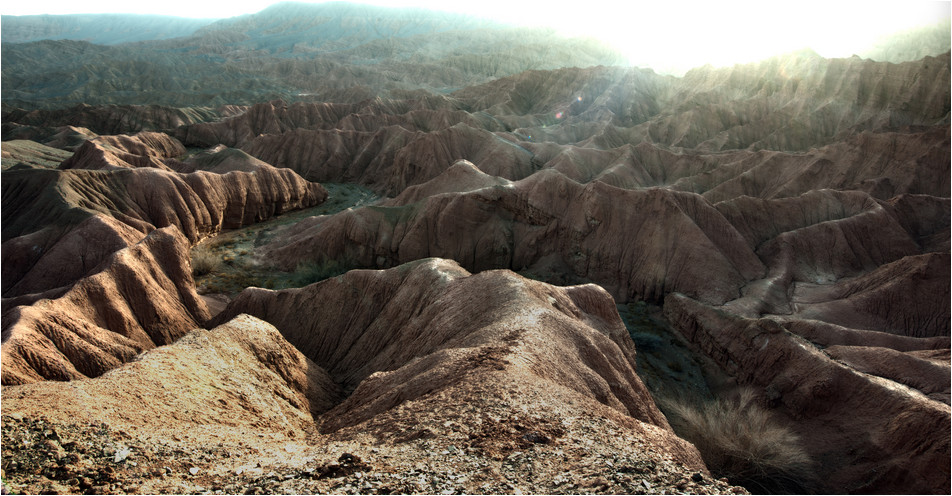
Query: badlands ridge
[785,223]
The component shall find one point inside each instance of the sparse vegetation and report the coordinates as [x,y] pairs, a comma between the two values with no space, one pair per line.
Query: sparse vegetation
[205,260]
[744,442]
[228,263]
[313,271]
[737,437]
[664,360]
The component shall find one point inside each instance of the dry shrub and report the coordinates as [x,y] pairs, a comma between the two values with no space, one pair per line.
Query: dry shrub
[745,443]
[311,271]
[205,260]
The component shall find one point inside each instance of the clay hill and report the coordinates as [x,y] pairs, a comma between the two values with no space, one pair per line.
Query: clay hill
[580,279]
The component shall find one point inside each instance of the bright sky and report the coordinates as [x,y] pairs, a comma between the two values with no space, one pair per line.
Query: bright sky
[659,34]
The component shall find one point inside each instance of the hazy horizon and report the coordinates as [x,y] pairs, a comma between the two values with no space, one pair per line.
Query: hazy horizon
[669,37]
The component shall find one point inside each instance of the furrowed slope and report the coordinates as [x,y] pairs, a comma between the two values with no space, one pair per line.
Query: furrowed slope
[198,385]
[133,190]
[140,297]
[635,243]
[847,416]
[521,332]
[41,124]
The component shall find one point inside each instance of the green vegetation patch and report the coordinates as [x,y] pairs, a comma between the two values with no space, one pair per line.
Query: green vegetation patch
[228,262]
[664,361]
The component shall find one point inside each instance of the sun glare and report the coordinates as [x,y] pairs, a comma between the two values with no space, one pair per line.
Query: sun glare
[675,37]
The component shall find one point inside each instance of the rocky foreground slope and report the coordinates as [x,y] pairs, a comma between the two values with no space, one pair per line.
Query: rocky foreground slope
[420,385]
[788,220]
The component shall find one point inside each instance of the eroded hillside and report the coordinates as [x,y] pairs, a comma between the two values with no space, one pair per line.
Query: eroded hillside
[776,232]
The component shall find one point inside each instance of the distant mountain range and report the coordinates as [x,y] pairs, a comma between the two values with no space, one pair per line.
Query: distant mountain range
[298,29]
[101,29]
[291,51]
[299,52]
[912,44]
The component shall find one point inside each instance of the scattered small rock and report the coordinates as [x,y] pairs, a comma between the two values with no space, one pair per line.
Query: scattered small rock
[536,437]
[346,464]
[121,455]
